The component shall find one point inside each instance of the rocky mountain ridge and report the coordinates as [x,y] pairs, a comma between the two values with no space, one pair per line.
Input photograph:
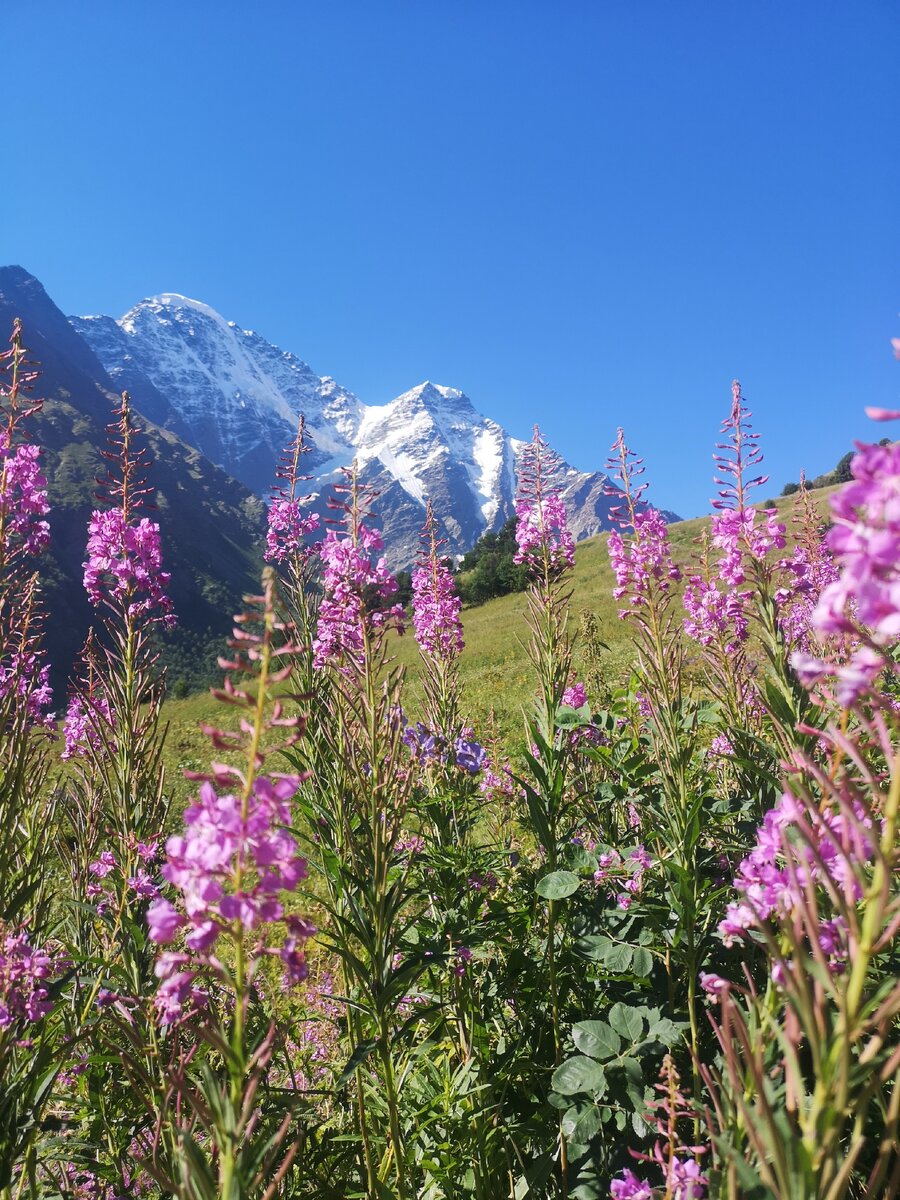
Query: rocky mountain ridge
[236,398]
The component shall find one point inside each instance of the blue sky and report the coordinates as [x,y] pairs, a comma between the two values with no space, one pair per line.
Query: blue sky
[582,212]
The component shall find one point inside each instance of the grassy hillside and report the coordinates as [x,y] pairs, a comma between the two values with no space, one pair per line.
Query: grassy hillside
[495,670]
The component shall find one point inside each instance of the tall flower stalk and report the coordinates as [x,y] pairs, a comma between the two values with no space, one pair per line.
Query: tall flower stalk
[811,1064]
[232,870]
[117,802]
[438,629]
[357,808]
[645,574]
[32,968]
[546,547]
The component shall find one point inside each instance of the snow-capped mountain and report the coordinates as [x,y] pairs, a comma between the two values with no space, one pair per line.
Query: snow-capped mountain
[236,397]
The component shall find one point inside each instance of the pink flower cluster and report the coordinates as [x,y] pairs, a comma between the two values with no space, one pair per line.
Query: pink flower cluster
[355,591]
[644,564]
[627,875]
[82,727]
[685,1181]
[542,533]
[497,783]
[807,573]
[289,525]
[714,614]
[23,500]
[863,602]
[436,609]
[24,975]
[24,677]
[773,878]
[231,865]
[125,564]
[223,843]
[717,608]
[105,893]
[739,537]
[575,696]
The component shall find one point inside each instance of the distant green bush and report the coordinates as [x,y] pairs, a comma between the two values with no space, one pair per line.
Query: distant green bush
[488,569]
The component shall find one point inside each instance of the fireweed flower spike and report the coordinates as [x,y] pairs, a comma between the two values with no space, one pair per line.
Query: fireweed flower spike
[232,870]
[438,628]
[289,523]
[436,605]
[678,1164]
[547,548]
[355,590]
[717,600]
[861,607]
[24,534]
[124,566]
[23,488]
[545,543]
[643,567]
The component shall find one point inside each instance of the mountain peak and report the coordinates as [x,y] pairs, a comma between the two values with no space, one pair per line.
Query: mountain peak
[172,302]
[240,396]
[435,396]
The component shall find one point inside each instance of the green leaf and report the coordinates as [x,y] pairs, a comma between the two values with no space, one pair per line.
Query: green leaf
[642,961]
[357,1058]
[579,859]
[596,1039]
[579,1075]
[571,718]
[557,885]
[627,1021]
[618,957]
[665,1030]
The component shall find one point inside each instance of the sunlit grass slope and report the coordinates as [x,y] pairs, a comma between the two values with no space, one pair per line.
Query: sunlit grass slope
[495,671]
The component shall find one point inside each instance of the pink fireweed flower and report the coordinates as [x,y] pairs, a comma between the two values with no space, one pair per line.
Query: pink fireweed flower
[741,453]
[861,606]
[641,559]
[125,564]
[355,591]
[288,524]
[23,500]
[436,604]
[223,844]
[721,746]
[771,887]
[736,533]
[83,727]
[288,528]
[806,573]
[628,1186]
[231,866]
[24,677]
[542,529]
[644,562]
[865,540]
[25,974]
[575,696]
[714,614]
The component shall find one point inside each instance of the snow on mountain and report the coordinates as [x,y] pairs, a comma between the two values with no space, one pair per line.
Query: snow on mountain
[236,397]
